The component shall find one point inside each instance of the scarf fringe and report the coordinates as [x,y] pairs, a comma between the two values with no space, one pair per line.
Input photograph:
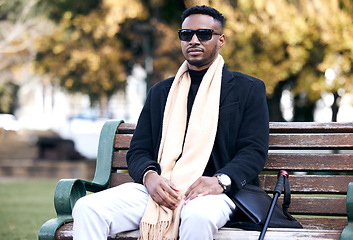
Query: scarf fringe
[157,231]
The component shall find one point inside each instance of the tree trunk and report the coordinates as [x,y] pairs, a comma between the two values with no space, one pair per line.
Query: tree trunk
[103,106]
[274,104]
[335,107]
[303,109]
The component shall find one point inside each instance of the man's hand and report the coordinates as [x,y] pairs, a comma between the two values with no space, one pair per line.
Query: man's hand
[162,190]
[201,187]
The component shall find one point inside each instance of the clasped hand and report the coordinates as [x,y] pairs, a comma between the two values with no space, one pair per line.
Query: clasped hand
[165,193]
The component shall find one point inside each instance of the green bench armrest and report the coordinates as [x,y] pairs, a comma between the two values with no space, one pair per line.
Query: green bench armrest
[68,191]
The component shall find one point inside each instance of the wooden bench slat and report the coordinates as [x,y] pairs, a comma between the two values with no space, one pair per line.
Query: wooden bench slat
[311,141]
[122,141]
[64,232]
[281,141]
[299,183]
[310,127]
[313,226]
[119,160]
[127,128]
[119,178]
[294,161]
[316,205]
[304,183]
[271,234]
[310,183]
[278,234]
[322,222]
[310,161]
[278,161]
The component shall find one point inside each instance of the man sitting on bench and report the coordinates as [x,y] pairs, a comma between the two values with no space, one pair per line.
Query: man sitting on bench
[201,136]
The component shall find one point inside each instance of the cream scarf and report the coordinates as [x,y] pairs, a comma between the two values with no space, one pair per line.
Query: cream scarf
[160,222]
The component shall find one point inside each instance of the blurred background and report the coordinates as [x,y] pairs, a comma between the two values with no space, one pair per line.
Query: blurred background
[67,66]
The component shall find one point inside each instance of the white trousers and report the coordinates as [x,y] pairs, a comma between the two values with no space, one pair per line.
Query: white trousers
[106,213]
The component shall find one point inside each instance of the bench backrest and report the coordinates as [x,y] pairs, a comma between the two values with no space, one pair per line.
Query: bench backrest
[318,157]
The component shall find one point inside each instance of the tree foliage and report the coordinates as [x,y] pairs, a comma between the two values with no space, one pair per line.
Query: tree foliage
[95,44]
[283,42]
[293,41]
[83,52]
[301,42]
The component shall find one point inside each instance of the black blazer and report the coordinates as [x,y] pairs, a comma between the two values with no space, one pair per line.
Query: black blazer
[241,143]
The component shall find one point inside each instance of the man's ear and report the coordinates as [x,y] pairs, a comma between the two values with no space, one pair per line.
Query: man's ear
[221,41]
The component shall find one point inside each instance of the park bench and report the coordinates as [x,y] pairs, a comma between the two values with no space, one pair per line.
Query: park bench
[318,157]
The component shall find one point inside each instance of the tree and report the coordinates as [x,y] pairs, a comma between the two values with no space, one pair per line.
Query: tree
[21,23]
[83,53]
[154,41]
[96,43]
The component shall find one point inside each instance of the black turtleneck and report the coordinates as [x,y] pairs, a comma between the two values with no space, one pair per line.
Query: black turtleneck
[196,78]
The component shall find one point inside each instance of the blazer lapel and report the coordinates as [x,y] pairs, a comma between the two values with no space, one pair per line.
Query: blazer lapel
[226,84]
[166,90]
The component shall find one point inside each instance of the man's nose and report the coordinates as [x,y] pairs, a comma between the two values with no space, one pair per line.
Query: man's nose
[194,39]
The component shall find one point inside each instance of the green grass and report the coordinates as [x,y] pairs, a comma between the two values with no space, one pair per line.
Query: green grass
[24,206]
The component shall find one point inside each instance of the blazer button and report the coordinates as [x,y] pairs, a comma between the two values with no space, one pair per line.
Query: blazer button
[243,183]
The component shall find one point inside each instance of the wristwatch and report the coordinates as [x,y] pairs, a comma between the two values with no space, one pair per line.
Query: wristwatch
[224,180]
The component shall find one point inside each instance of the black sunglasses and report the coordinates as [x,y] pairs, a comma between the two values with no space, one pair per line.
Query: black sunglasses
[202,34]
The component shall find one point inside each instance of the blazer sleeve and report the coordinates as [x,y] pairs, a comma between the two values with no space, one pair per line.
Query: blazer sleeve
[141,155]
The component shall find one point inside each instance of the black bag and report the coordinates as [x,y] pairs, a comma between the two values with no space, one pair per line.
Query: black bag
[253,204]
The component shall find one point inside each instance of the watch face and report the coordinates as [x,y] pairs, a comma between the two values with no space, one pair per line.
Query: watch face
[225,180]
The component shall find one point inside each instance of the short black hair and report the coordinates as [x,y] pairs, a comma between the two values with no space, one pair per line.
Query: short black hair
[205,10]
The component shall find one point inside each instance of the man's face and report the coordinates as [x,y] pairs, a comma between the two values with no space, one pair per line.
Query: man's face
[201,54]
